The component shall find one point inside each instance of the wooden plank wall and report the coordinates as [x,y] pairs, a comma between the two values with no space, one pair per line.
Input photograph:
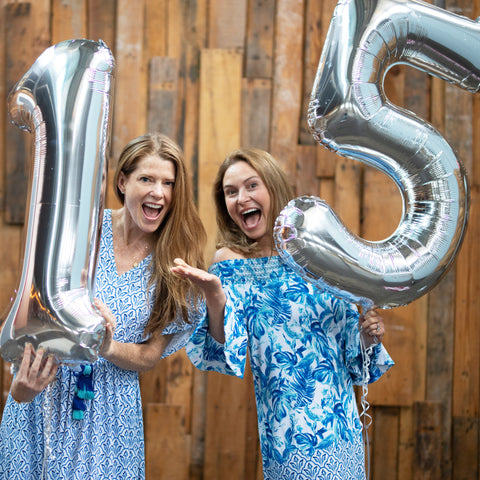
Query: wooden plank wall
[216,74]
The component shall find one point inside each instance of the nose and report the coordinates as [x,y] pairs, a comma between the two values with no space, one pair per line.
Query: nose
[158,190]
[242,196]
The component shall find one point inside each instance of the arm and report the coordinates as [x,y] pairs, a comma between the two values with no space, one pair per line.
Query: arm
[130,356]
[214,295]
[33,376]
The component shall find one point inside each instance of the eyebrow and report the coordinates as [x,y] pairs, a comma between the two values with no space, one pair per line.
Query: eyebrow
[257,177]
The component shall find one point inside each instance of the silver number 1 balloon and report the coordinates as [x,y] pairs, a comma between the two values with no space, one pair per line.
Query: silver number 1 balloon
[350,115]
[65,101]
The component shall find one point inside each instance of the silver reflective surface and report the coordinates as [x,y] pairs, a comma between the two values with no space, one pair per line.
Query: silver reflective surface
[350,115]
[65,101]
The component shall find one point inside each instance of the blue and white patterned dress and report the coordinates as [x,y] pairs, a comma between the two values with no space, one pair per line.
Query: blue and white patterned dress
[305,357]
[108,443]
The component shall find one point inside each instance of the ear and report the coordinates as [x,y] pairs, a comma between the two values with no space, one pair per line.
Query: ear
[121,181]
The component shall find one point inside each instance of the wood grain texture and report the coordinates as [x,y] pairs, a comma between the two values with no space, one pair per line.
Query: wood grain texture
[218,74]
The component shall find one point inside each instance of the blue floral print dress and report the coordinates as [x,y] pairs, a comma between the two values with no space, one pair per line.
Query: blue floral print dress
[108,442]
[305,356]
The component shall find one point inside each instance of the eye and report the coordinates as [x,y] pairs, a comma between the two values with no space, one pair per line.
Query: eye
[229,192]
[144,179]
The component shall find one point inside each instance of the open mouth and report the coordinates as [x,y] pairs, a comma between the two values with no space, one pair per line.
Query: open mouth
[251,217]
[151,211]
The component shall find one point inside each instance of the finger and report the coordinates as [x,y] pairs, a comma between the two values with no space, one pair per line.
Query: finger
[50,369]
[25,363]
[37,363]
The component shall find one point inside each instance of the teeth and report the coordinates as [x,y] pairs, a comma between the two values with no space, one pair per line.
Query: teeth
[152,205]
[250,211]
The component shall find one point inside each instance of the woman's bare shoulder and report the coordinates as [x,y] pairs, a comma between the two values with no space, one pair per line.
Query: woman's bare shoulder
[226,253]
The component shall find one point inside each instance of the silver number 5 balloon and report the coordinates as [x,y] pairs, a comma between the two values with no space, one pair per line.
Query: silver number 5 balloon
[349,114]
[65,100]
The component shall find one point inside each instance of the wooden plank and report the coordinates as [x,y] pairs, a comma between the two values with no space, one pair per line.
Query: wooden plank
[307,180]
[259,42]
[441,314]
[198,425]
[226,427]
[69,20]
[347,192]
[287,83]
[3,94]
[256,107]
[385,444]
[220,124]
[327,190]
[405,444]
[439,373]
[326,162]
[187,34]
[227,23]
[466,448]
[19,58]
[253,456]
[101,21]
[156,28]
[466,379]
[315,32]
[130,92]
[396,387]
[162,97]
[428,440]
[166,443]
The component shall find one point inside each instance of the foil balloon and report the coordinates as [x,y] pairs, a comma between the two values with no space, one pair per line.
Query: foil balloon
[350,115]
[65,101]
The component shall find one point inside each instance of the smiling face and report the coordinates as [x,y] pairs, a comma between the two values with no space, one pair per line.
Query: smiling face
[248,202]
[148,192]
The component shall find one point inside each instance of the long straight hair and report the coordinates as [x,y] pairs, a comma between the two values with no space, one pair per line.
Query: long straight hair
[181,233]
[280,191]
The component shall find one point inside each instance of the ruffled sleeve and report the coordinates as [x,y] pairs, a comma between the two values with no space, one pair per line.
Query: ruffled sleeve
[229,358]
[376,360]
[181,331]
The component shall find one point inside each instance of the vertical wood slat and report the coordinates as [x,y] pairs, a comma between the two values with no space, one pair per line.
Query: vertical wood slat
[187,34]
[163,94]
[219,130]
[130,83]
[183,34]
[101,21]
[428,440]
[256,105]
[18,146]
[69,20]
[385,444]
[220,124]
[287,97]
[259,39]
[223,33]
[156,28]
[167,447]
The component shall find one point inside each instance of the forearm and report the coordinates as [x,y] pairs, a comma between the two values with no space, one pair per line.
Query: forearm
[216,314]
[139,357]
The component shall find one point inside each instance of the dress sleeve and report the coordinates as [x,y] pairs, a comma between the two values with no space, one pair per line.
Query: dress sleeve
[181,330]
[229,358]
[363,365]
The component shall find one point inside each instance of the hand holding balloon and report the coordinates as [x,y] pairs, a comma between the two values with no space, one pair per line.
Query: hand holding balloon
[372,328]
[33,376]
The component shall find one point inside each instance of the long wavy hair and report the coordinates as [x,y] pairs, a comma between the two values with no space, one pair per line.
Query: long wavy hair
[181,233]
[280,191]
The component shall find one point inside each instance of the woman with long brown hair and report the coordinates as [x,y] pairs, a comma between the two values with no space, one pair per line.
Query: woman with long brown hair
[94,427]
